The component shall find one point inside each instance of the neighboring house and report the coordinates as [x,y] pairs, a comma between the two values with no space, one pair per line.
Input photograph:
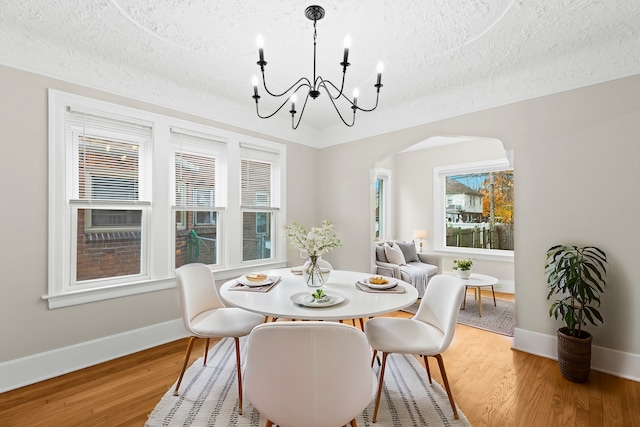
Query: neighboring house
[464,204]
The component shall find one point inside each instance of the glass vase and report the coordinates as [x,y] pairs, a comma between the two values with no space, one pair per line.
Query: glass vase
[314,273]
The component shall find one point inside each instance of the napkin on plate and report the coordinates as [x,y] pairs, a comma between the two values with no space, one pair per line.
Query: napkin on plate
[264,288]
[395,290]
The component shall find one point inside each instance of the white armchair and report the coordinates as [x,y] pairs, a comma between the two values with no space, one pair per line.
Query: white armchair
[400,260]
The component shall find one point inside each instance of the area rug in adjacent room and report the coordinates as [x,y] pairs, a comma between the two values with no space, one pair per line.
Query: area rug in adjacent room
[209,396]
[500,319]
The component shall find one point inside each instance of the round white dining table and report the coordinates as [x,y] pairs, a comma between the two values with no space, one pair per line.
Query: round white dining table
[277,301]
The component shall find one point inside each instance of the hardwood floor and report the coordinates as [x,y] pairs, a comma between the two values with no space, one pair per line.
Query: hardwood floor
[492,384]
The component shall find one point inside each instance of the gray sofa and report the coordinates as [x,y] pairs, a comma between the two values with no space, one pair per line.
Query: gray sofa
[416,268]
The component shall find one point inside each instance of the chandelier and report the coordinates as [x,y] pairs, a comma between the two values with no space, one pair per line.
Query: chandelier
[312,88]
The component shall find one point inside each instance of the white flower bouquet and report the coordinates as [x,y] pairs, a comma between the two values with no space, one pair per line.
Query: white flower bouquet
[315,242]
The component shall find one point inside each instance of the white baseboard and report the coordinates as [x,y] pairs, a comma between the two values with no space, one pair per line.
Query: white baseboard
[39,367]
[614,362]
[505,286]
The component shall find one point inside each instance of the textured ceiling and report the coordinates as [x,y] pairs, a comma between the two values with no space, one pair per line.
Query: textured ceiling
[442,57]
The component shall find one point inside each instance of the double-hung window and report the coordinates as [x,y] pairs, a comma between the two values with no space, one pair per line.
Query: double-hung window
[107,195]
[257,177]
[134,195]
[197,173]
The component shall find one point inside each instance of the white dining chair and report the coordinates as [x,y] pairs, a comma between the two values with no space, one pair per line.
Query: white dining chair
[428,333]
[308,373]
[205,316]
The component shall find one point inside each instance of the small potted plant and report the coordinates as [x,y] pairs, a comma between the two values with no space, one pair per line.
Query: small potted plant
[577,275]
[463,267]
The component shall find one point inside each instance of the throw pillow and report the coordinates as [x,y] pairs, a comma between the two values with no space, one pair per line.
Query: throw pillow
[394,255]
[409,251]
[380,256]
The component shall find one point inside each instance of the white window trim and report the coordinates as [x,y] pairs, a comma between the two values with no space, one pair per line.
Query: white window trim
[439,192]
[161,255]
[385,175]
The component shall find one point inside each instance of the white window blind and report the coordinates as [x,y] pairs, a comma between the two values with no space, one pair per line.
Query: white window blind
[256,170]
[109,158]
[256,183]
[196,170]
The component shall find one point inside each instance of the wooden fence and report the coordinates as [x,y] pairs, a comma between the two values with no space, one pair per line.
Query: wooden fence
[501,237]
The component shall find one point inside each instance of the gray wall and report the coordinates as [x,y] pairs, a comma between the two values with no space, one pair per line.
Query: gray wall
[413,186]
[577,182]
[576,156]
[27,325]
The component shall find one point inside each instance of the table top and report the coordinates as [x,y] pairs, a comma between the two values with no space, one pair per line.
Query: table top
[477,279]
[277,302]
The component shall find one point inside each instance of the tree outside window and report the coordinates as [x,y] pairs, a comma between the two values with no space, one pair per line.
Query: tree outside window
[479,210]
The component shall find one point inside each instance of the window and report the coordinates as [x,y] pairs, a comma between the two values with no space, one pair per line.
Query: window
[107,196]
[474,208]
[382,198]
[196,159]
[256,177]
[134,195]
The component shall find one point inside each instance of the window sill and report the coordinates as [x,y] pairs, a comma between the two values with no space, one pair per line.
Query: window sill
[84,296]
[506,256]
[99,294]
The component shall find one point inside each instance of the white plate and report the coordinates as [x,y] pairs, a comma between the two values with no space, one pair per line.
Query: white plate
[391,283]
[305,298]
[243,279]
[296,270]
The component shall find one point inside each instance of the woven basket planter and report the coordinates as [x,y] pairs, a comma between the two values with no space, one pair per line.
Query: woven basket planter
[574,355]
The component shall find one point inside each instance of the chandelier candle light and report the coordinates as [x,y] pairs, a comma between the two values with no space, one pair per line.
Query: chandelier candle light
[312,89]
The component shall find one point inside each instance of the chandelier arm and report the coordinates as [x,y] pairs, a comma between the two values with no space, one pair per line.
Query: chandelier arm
[301,113]
[272,114]
[366,110]
[299,82]
[284,102]
[322,82]
[338,111]
[341,94]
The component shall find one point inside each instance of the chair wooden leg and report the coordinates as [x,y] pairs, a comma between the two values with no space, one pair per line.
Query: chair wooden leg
[237,340]
[362,324]
[268,424]
[446,384]
[493,292]
[373,359]
[384,365]
[192,340]
[426,365]
[206,352]
[353,423]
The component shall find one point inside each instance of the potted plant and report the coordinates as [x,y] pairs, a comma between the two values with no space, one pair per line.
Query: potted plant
[577,275]
[463,267]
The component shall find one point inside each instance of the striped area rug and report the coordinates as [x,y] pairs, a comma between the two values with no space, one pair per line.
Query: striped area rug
[208,397]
